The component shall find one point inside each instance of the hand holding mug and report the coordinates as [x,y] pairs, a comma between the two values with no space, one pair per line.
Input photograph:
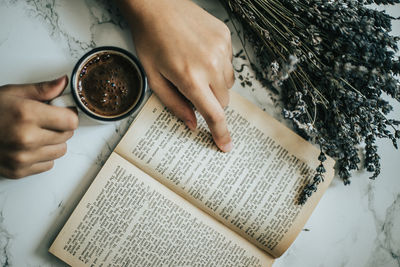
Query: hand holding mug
[107,84]
[32,133]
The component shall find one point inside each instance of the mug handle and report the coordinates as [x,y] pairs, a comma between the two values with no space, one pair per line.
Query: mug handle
[64,101]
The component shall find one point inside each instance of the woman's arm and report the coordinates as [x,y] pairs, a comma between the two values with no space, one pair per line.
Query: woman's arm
[187,55]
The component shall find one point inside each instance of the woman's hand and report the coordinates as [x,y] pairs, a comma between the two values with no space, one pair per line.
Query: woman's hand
[32,133]
[187,56]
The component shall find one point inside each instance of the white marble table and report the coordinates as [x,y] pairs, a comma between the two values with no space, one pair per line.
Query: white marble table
[358,225]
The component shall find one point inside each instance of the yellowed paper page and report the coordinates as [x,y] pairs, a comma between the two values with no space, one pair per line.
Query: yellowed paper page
[253,189]
[127,218]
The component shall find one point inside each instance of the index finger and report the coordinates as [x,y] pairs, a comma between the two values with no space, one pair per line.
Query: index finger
[209,107]
[56,118]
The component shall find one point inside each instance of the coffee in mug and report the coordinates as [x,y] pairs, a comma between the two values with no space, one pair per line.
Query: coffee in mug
[107,84]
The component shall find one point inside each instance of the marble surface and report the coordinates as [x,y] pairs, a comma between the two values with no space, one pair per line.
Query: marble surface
[357,225]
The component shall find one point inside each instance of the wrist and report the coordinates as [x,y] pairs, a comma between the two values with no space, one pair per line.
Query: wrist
[136,11]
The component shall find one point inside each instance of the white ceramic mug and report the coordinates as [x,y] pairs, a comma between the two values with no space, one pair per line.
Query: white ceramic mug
[73,99]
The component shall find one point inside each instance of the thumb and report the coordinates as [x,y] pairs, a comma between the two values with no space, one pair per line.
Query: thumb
[43,91]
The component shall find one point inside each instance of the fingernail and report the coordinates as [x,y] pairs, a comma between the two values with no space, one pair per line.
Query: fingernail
[191,125]
[56,81]
[227,147]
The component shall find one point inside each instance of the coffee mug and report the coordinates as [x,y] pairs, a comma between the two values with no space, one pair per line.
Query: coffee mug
[107,84]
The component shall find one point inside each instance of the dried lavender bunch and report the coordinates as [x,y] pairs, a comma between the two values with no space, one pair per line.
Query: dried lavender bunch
[331,62]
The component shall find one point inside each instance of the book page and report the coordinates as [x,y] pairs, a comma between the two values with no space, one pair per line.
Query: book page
[253,189]
[127,218]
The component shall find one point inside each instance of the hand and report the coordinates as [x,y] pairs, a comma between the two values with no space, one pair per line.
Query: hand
[32,133]
[187,56]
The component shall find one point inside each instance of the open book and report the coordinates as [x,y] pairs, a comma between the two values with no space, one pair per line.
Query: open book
[168,196]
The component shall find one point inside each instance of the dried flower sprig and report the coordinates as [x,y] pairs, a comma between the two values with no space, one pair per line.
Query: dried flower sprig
[331,62]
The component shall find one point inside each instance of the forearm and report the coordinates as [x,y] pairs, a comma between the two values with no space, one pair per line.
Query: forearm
[140,13]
